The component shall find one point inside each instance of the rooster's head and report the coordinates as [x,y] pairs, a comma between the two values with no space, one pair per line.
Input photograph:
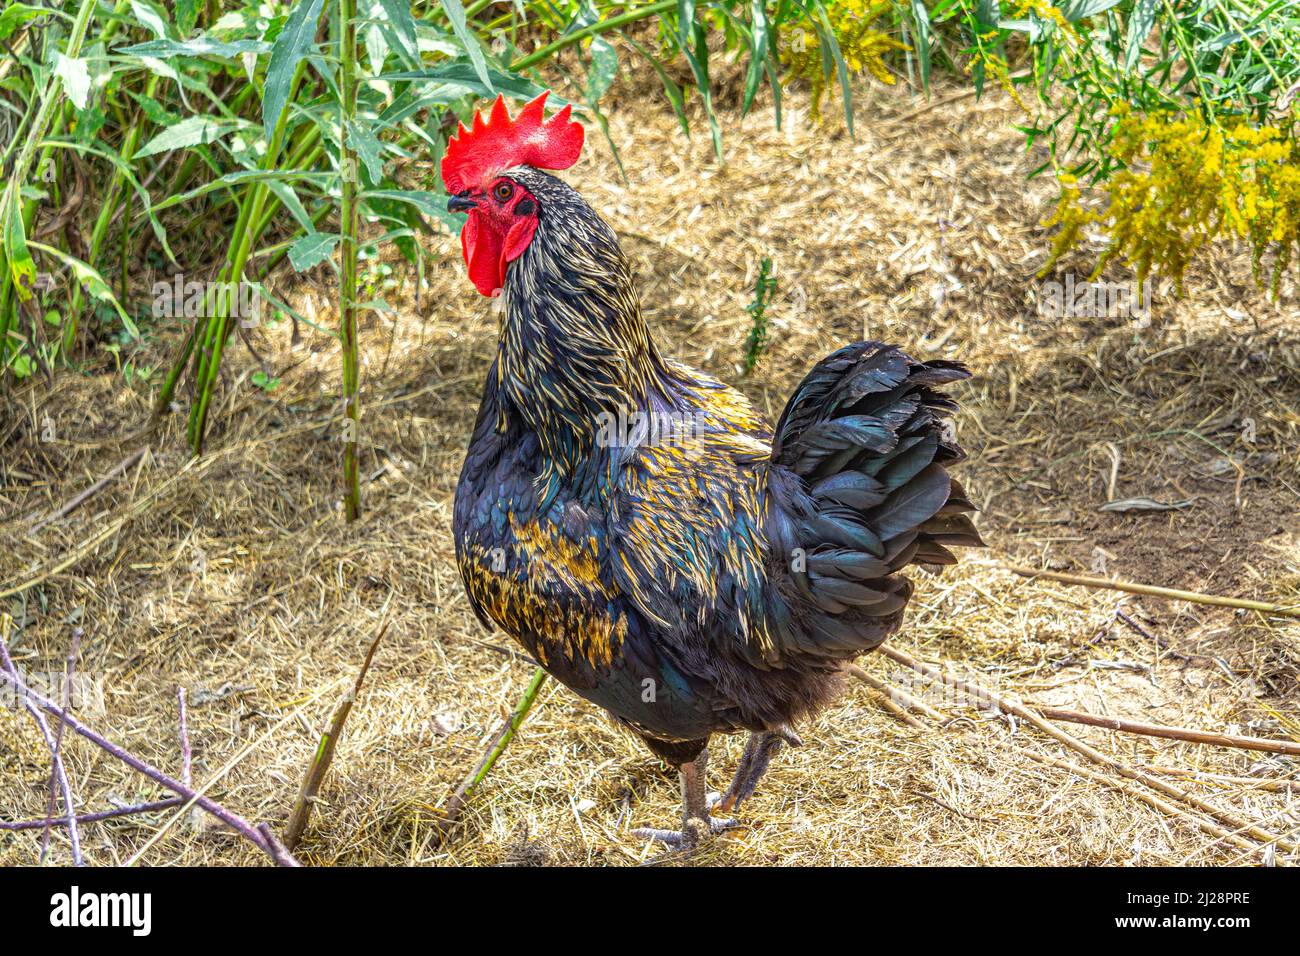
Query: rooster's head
[503,212]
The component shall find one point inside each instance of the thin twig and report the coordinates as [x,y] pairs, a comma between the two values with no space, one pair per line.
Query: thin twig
[1224,780]
[82,497]
[233,820]
[278,851]
[324,754]
[69,672]
[1194,597]
[187,754]
[1007,705]
[10,674]
[1172,733]
[98,816]
[1150,799]
[451,810]
[895,694]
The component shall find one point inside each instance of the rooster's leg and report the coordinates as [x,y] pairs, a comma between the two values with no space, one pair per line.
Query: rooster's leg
[696,821]
[759,750]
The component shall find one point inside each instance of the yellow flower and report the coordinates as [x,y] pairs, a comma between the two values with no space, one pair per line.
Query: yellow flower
[1186,183]
[862,48]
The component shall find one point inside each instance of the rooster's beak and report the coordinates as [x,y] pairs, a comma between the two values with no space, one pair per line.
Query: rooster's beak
[461,202]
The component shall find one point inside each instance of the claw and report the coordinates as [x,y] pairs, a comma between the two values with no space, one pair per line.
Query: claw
[691,834]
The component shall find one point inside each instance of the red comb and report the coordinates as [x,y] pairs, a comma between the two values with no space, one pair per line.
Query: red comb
[502,142]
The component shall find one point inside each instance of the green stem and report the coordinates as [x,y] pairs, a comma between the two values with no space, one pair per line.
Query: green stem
[348,263]
[516,720]
[613,23]
[213,340]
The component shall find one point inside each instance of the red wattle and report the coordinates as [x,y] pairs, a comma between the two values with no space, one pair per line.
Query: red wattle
[483,254]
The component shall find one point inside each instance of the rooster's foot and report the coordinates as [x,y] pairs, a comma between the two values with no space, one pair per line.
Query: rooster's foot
[759,750]
[697,822]
[692,833]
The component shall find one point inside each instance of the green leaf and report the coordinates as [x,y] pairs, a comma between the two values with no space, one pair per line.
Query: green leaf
[1082,9]
[92,282]
[289,199]
[367,146]
[151,17]
[21,265]
[431,204]
[685,23]
[191,131]
[15,15]
[75,77]
[456,17]
[187,15]
[462,75]
[198,46]
[698,57]
[921,20]
[1139,26]
[831,56]
[242,176]
[401,26]
[291,46]
[757,51]
[312,249]
[603,69]
[671,89]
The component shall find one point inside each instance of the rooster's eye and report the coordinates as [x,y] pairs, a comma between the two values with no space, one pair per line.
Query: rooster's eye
[503,191]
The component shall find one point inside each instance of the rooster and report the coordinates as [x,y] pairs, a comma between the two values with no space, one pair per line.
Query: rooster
[637,526]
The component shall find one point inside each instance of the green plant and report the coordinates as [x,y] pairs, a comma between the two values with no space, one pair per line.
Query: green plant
[764,290]
[272,128]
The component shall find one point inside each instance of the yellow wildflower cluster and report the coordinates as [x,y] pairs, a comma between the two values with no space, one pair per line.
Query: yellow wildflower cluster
[997,70]
[1044,11]
[1185,183]
[863,48]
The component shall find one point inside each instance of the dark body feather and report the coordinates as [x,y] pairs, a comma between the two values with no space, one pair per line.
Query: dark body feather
[639,529]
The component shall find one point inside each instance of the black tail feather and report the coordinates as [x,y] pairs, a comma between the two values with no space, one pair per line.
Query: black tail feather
[859,489]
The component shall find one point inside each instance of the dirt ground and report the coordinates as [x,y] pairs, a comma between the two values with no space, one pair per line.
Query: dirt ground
[235,576]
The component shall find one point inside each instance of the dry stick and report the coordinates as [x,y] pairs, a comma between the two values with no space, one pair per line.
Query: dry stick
[98,816]
[1173,733]
[451,810]
[1030,717]
[278,851]
[82,497]
[1224,780]
[882,697]
[10,674]
[1194,597]
[895,693]
[69,671]
[220,774]
[324,755]
[233,820]
[1150,799]
[187,754]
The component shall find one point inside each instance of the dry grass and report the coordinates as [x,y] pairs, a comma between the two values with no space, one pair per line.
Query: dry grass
[923,233]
